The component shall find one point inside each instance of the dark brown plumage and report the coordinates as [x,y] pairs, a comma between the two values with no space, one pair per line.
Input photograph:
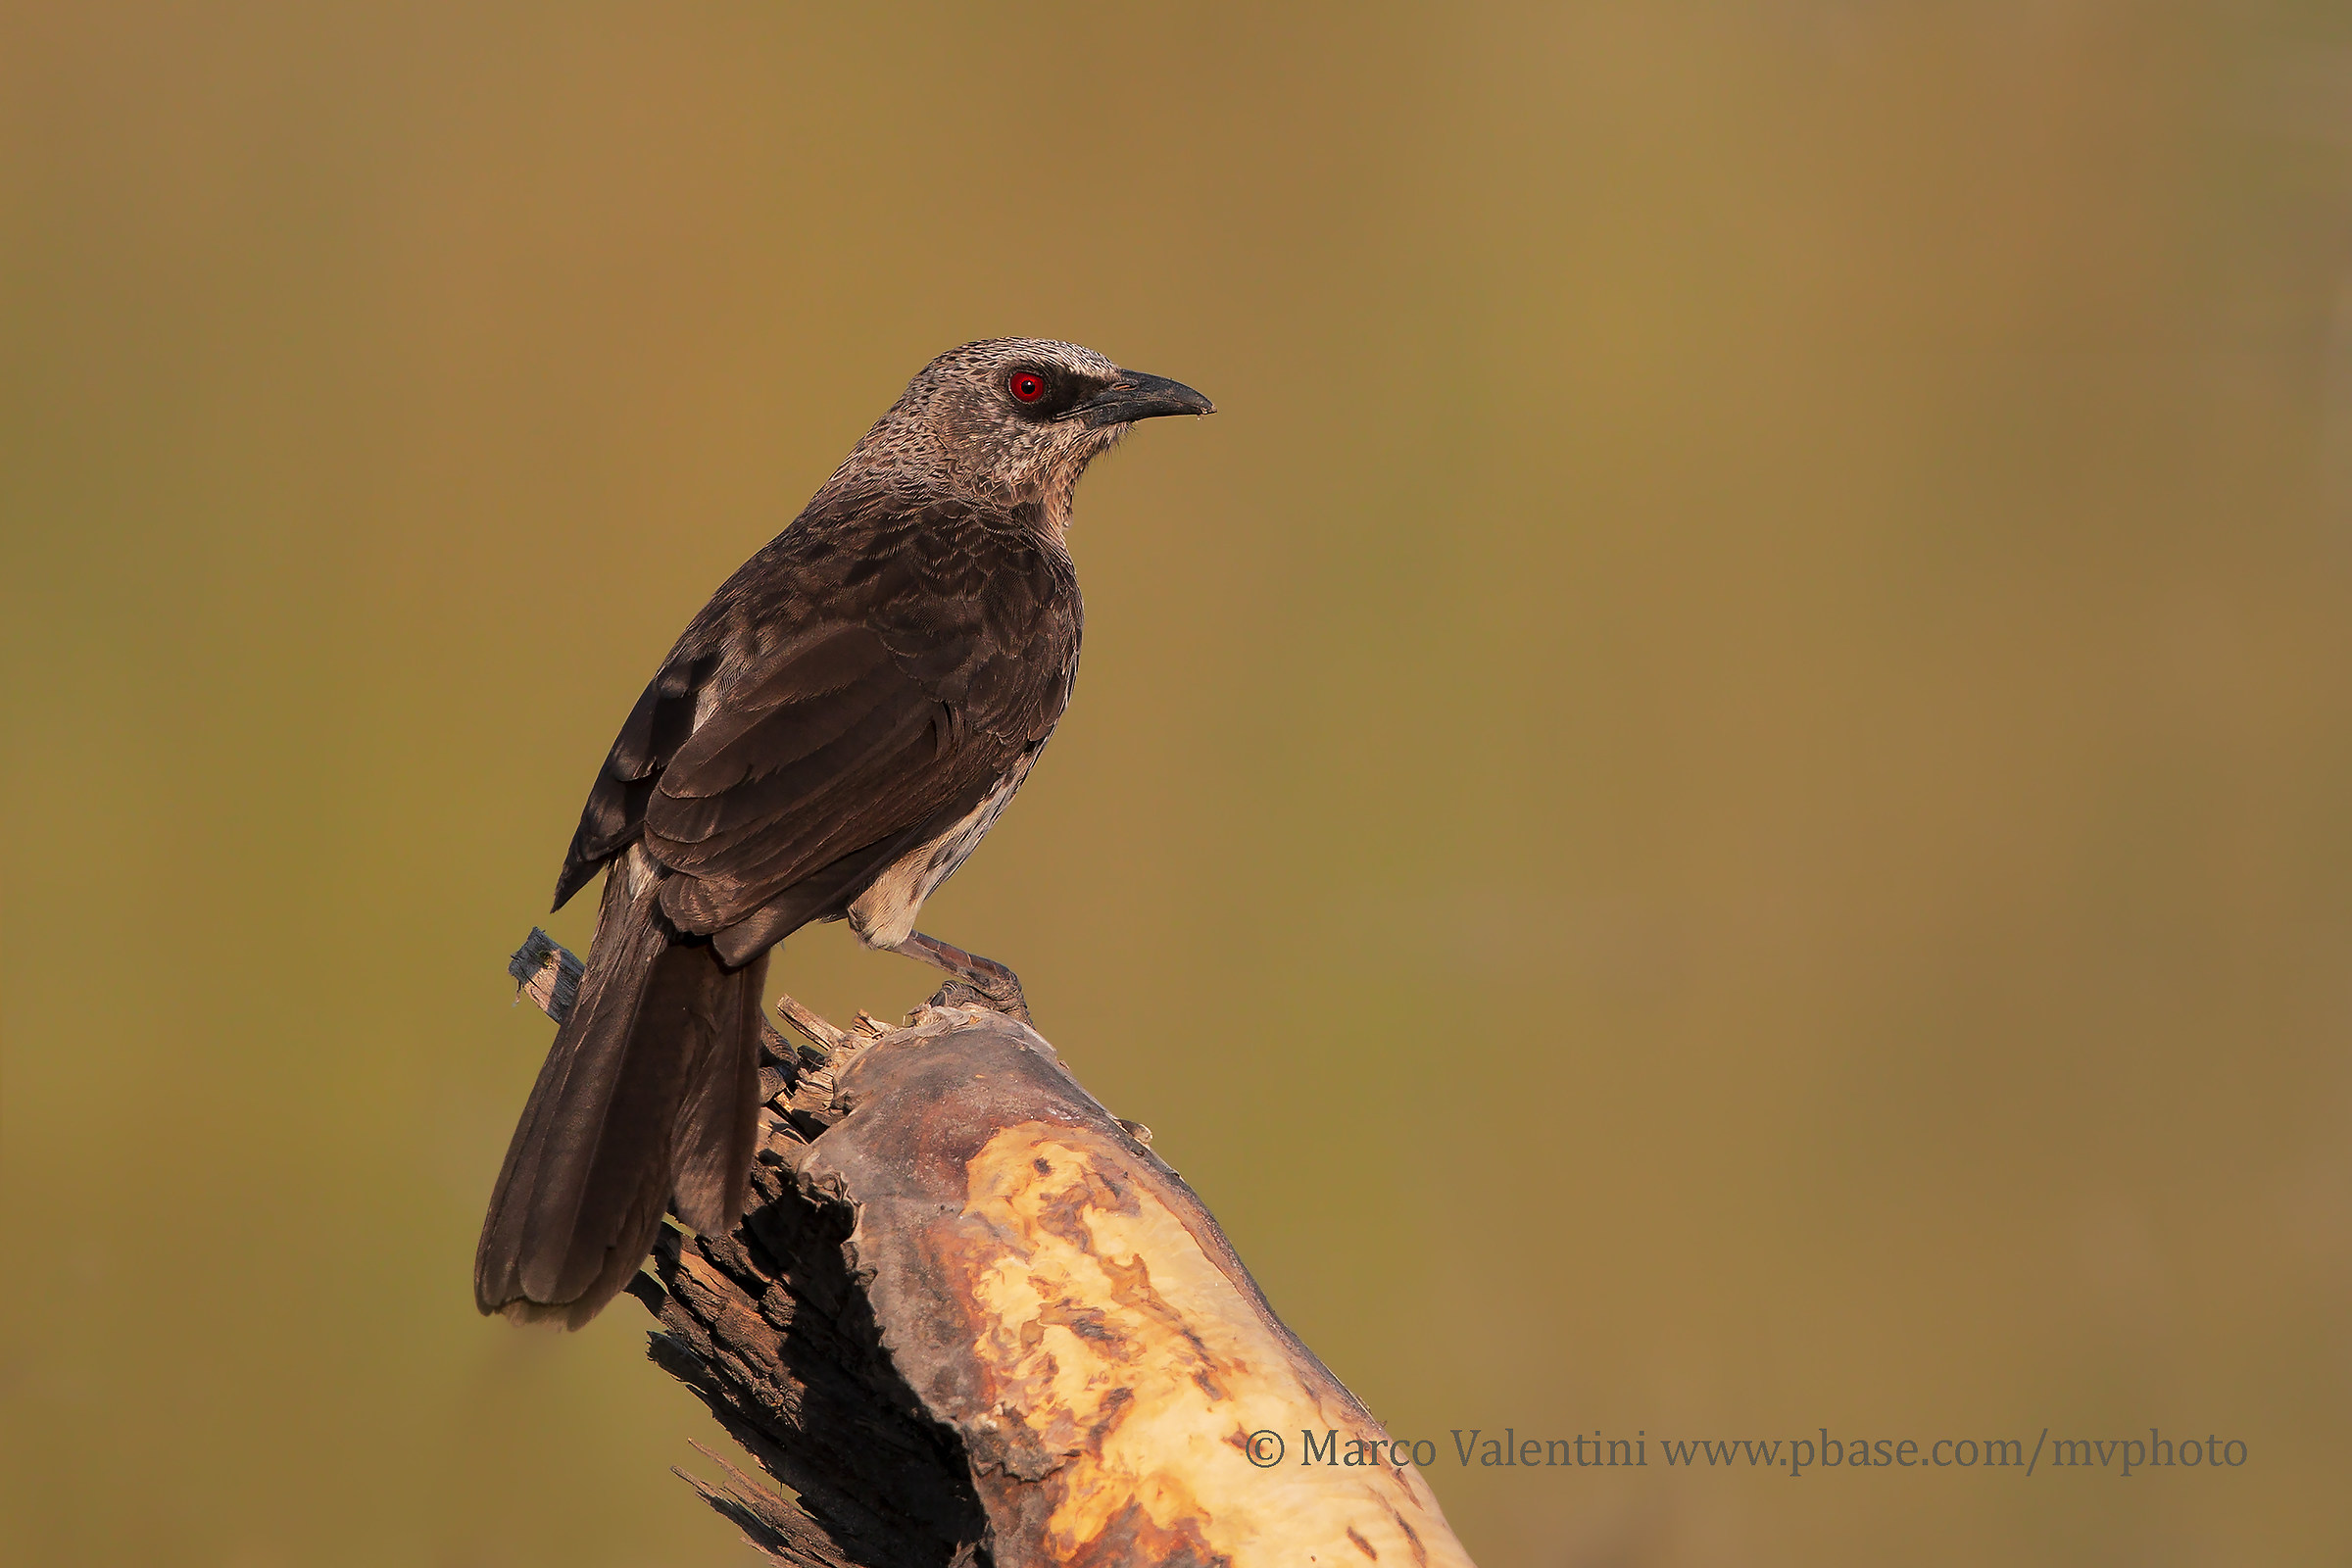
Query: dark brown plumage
[830,738]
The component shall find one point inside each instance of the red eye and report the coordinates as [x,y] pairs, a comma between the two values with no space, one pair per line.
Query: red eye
[1026,385]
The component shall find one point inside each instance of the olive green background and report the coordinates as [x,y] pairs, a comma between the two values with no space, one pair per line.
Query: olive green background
[1719,801]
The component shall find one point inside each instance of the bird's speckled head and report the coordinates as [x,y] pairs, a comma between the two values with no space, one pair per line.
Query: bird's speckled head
[1010,421]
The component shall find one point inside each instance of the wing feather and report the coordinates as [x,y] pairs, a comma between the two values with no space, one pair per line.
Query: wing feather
[862,675]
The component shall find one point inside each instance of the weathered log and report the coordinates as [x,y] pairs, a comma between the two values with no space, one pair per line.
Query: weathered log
[971,1319]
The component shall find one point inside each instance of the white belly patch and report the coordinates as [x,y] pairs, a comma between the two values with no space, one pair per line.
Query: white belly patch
[884,914]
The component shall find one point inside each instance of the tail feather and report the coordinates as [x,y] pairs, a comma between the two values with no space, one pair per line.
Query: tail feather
[719,1123]
[649,1091]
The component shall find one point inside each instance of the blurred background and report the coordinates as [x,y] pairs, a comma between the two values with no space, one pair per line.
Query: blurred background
[1715,805]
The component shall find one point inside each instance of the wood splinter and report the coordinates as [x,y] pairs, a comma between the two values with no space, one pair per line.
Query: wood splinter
[970,1318]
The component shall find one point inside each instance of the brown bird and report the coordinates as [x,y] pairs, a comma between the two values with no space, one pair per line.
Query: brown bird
[830,738]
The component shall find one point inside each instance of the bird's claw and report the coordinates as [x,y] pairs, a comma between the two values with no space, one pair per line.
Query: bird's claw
[1000,996]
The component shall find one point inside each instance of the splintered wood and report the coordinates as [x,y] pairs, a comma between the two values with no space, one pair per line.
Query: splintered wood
[972,1318]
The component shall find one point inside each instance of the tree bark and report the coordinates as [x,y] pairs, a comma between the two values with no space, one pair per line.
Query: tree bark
[971,1319]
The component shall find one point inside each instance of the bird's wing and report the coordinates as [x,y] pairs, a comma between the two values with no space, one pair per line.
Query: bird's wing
[654,730]
[838,694]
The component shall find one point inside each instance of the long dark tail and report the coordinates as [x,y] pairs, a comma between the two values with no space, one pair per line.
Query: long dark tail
[651,1091]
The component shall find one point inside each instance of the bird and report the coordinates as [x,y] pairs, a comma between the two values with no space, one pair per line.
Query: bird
[830,738]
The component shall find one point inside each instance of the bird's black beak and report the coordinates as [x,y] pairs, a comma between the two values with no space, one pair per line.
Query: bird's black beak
[1136,396]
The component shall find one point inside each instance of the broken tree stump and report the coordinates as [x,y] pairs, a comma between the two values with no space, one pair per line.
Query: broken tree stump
[970,1318]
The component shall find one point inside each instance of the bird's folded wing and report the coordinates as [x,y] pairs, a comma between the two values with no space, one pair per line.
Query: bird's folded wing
[769,792]
[847,688]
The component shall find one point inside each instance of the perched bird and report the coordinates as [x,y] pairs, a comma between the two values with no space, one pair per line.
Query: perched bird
[830,739]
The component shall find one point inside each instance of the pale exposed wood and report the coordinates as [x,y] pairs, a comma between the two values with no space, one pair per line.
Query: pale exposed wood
[971,1319]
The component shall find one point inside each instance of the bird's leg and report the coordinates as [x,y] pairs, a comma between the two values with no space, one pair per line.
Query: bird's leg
[997,985]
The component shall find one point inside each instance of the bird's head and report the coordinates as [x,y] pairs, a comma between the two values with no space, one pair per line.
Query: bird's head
[1015,420]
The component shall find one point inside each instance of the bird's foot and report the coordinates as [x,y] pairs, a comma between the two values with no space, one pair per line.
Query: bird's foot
[977,980]
[1000,988]
[960,993]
